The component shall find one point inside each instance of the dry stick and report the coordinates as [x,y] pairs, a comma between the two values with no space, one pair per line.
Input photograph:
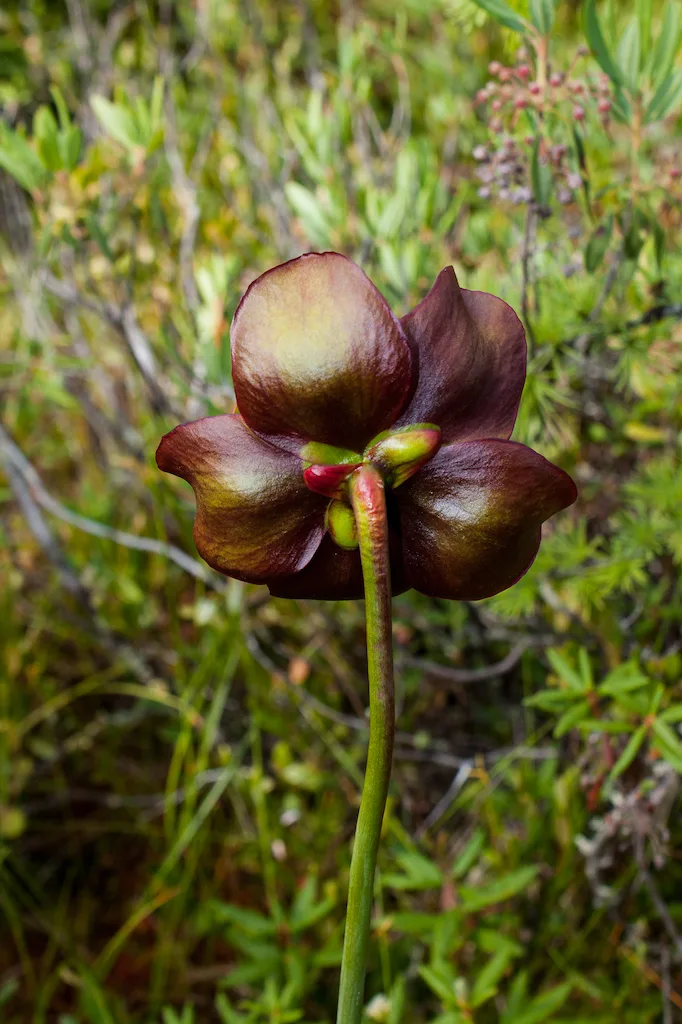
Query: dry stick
[68,575]
[124,321]
[647,879]
[14,457]
[430,755]
[183,186]
[472,675]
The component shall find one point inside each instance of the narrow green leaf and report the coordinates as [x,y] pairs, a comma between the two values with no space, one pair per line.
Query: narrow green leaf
[644,14]
[571,718]
[669,741]
[498,891]
[469,855]
[46,135]
[629,54]
[627,757]
[623,679]
[542,15]
[667,44]
[541,176]
[597,43]
[566,671]
[502,12]
[672,715]
[20,160]
[542,1007]
[443,987]
[116,121]
[665,99]
[658,232]
[307,207]
[489,977]
[551,700]
[604,725]
[62,109]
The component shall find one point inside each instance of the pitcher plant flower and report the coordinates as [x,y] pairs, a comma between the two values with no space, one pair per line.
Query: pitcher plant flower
[368,455]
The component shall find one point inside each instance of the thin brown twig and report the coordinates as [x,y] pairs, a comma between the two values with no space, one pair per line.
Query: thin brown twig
[15,458]
[647,879]
[471,675]
[69,577]
[124,320]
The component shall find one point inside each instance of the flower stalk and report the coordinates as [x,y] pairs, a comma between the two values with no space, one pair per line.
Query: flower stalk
[366,489]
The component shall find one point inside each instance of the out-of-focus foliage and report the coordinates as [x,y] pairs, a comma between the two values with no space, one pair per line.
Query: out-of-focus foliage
[181,758]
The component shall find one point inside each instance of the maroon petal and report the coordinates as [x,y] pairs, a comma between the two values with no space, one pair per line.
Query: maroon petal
[335,574]
[256,519]
[472,362]
[317,354]
[471,518]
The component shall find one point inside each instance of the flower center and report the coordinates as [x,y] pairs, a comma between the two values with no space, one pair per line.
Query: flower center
[397,454]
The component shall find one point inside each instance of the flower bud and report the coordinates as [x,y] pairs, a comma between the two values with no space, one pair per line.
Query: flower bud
[340,522]
[400,454]
[328,480]
[578,113]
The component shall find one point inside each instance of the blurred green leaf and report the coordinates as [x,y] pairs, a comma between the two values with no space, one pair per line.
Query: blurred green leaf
[597,44]
[666,98]
[117,121]
[542,1007]
[498,891]
[629,53]
[506,15]
[628,755]
[541,175]
[667,44]
[542,15]
[20,160]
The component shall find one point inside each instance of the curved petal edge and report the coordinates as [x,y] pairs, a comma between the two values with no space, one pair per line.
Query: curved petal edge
[256,519]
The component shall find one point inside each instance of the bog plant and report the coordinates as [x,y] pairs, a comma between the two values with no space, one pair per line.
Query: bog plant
[192,749]
[368,453]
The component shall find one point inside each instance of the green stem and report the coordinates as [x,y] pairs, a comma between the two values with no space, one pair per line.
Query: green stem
[369,506]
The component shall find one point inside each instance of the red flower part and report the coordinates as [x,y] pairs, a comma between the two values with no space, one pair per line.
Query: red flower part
[326,379]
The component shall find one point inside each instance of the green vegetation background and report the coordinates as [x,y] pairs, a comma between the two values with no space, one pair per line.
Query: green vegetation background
[181,757]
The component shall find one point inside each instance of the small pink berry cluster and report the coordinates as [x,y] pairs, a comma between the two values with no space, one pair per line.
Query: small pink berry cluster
[504,164]
[511,90]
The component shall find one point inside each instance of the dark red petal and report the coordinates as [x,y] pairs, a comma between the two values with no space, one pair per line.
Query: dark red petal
[471,518]
[335,574]
[256,519]
[472,362]
[317,354]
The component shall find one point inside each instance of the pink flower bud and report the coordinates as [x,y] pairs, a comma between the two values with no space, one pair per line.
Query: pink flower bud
[494,67]
[523,71]
[534,88]
[578,113]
